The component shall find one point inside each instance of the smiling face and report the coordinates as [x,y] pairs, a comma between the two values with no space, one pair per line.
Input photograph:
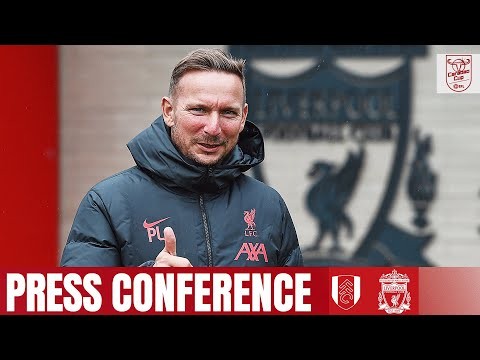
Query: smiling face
[206,115]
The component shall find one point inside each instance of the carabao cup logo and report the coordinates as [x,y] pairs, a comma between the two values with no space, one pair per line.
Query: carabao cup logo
[458,73]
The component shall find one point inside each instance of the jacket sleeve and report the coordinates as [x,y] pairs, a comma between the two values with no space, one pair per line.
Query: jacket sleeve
[290,246]
[91,241]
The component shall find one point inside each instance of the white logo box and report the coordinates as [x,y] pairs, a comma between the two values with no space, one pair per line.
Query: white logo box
[458,73]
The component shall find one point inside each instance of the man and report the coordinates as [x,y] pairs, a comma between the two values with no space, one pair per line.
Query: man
[187,202]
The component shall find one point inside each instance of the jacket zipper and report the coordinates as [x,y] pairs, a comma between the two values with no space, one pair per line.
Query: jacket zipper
[207,232]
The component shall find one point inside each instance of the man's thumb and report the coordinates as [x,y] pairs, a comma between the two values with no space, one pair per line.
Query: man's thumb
[170,241]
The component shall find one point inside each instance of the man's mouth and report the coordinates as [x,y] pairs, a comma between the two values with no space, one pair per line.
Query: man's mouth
[210,146]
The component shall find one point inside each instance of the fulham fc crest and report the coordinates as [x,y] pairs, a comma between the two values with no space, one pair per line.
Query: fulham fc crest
[345,290]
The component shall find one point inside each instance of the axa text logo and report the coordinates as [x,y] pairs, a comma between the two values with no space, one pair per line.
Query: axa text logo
[153,229]
[252,251]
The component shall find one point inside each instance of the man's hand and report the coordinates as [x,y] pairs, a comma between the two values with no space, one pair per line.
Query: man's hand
[168,256]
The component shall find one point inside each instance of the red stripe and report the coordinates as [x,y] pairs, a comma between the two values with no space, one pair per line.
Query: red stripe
[29,155]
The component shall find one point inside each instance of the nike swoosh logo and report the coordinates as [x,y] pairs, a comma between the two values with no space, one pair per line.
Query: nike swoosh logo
[147,225]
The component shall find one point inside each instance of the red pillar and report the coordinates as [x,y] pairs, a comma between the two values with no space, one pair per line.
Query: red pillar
[29,205]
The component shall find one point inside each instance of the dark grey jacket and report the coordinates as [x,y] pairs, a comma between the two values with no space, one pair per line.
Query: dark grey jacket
[220,216]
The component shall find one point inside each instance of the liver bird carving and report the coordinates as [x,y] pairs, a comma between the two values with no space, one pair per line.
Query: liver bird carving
[327,198]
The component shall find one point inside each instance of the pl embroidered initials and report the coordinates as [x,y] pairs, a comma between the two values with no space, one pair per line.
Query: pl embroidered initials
[153,229]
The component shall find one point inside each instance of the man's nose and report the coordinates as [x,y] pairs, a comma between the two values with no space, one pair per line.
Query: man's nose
[212,127]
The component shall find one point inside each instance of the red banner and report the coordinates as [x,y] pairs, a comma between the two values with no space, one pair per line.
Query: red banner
[384,291]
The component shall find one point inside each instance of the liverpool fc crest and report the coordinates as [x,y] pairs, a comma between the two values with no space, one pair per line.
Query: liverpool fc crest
[394,297]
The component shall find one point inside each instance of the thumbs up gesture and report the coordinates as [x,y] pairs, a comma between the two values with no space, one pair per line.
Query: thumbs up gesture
[168,256]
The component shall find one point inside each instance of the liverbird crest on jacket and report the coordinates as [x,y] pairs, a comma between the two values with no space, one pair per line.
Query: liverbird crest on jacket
[249,217]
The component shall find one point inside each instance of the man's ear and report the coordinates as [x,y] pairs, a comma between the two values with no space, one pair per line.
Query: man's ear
[167,109]
[244,116]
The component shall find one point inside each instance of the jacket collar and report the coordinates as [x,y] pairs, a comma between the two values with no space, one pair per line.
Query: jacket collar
[153,150]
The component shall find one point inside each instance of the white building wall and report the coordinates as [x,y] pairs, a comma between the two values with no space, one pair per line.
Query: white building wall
[110,93]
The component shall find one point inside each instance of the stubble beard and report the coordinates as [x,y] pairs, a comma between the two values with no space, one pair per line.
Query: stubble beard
[183,147]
